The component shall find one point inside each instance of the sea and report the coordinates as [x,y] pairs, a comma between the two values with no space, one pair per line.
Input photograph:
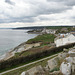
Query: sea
[10,38]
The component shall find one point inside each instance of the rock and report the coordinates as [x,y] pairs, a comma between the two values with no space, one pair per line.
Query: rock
[73,67]
[8,55]
[65,50]
[69,59]
[24,47]
[72,53]
[23,73]
[69,63]
[74,47]
[62,55]
[56,62]
[47,68]
[27,46]
[38,70]
[65,68]
[52,63]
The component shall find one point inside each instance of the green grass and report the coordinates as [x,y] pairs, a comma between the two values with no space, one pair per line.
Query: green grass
[45,38]
[24,53]
[55,69]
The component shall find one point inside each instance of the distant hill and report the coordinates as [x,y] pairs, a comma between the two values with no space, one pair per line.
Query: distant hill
[5,28]
[41,27]
[37,27]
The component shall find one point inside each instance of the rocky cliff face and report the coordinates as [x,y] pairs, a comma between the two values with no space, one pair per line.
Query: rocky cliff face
[68,65]
[65,61]
[24,46]
[56,61]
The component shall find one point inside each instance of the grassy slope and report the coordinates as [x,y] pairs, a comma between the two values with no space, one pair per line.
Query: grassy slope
[45,38]
[32,51]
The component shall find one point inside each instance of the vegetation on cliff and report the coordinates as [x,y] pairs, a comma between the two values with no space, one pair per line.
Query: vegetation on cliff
[45,39]
[26,59]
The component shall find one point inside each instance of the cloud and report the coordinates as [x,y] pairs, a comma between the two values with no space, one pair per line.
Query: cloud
[9,2]
[65,2]
[36,11]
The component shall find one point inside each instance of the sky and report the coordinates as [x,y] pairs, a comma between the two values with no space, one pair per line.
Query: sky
[24,13]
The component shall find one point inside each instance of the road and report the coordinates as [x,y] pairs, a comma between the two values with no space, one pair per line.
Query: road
[28,64]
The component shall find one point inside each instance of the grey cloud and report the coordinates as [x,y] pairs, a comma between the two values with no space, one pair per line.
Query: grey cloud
[51,8]
[9,2]
[29,19]
[65,2]
[70,2]
[36,9]
[46,19]
[55,0]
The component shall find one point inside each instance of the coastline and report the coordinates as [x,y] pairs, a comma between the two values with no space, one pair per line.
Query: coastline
[15,41]
[9,53]
[21,47]
[29,44]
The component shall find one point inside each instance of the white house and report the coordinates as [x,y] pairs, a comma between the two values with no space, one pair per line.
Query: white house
[49,31]
[59,41]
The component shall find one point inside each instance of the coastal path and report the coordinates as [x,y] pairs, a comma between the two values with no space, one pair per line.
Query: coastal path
[29,64]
